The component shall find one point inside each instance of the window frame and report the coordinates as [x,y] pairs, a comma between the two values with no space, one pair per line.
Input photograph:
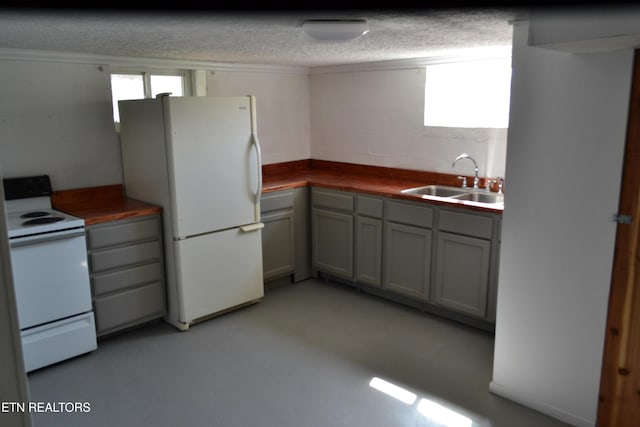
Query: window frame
[146,74]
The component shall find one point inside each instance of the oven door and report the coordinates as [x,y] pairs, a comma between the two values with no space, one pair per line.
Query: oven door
[51,276]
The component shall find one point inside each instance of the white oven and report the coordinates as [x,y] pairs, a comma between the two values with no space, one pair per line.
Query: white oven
[50,274]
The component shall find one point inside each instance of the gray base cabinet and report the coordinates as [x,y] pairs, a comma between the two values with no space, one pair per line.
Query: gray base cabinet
[408,260]
[285,236]
[462,273]
[368,240]
[466,262]
[332,242]
[332,232]
[438,258]
[278,254]
[277,245]
[408,248]
[126,265]
[369,250]
[302,233]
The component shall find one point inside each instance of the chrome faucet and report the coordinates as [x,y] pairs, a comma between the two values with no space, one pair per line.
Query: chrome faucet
[476,180]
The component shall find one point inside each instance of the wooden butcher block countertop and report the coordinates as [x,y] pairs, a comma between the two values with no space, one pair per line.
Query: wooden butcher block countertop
[101,204]
[381,181]
[109,203]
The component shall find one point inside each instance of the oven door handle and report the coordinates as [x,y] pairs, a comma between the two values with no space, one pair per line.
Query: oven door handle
[47,237]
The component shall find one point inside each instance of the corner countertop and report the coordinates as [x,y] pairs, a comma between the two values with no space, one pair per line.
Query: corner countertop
[101,204]
[109,203]
[381,181]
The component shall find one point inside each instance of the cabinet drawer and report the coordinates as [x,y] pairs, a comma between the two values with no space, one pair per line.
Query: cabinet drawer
[276,201]
[411,214]
[370,206]
[122,232]
[128,307]
[466,223]
[122,279]
[128,255]
[332,199]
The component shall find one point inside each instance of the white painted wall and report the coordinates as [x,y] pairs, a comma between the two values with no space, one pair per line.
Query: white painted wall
[56,119]
[377,118]
[564,164]
[282,104]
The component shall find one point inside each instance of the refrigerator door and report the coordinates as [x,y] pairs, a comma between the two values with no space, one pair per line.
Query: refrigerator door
[218,271]
[212,163]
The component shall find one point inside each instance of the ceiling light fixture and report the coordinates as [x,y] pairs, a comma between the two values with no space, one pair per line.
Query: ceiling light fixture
[335,29]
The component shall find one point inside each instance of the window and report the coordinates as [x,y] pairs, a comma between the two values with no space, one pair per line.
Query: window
[144,85]
[470,94]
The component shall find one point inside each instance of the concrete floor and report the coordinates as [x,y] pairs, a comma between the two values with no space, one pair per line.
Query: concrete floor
[307,355]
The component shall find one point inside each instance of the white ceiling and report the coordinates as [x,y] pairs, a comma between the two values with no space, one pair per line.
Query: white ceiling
[255,37]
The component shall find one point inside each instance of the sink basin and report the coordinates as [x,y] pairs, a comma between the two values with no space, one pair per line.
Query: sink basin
[435,190]
[455,193]
[481,197]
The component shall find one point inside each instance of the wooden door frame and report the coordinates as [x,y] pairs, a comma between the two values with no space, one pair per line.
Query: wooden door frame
[619,400]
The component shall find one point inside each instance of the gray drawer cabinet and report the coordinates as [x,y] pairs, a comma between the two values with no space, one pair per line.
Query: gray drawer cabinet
[465,245]
[126,265]
[278,252]
[332,232]
[407,254]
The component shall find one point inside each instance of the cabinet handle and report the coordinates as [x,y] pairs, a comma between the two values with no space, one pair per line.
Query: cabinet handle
[41,238]
[252,227]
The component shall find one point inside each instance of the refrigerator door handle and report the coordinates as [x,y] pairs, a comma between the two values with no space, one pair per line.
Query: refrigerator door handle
[252,227]
[256,143]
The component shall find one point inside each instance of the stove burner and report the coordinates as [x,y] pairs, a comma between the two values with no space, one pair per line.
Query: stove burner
[45,220]
[35,214]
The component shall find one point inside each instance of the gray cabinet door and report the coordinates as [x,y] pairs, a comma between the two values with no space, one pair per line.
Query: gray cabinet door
[278,257]
[332,240]
[302,234]
[407,260]
[462,273]
[369,250]
[286,234]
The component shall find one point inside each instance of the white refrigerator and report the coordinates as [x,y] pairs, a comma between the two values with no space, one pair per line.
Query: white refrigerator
[199,159]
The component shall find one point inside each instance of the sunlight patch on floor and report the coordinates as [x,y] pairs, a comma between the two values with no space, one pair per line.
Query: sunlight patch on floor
[434,412]
[393,390]
[442,415]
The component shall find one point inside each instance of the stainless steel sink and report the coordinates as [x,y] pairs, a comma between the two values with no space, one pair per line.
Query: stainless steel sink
[455,193]
[481,197]
[435,190]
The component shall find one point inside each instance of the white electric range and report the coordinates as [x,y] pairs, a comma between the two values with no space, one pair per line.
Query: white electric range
[50,274]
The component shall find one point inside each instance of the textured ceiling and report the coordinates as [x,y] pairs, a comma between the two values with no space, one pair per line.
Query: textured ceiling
[254,38]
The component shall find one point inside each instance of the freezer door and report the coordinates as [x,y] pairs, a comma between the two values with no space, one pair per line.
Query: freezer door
[218,271]
[212,163]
